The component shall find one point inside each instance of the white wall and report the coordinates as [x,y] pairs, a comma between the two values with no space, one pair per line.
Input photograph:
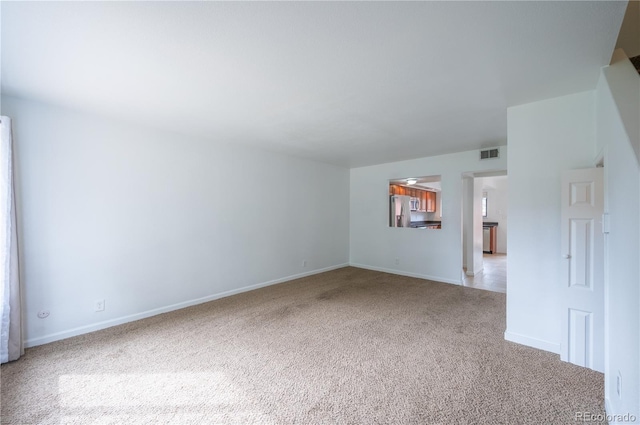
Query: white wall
[433,254]
[472,225]
[151,221]
[497,190]
[467,224]
[545,138]
[478,262]
[618,102]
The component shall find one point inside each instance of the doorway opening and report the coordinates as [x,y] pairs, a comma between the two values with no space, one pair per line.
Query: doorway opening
[484,230]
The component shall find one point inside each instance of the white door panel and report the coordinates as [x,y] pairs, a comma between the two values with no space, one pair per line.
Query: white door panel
[581,335]
[582,252]
[583,272]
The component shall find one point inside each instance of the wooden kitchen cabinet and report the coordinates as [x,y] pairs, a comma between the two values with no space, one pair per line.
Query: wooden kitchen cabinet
[431,202]
[427,198]
[493,243]
[394,189]
[493,239]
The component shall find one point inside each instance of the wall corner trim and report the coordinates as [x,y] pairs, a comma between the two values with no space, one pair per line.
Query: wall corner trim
[532,342]
[607,406]
[408,274]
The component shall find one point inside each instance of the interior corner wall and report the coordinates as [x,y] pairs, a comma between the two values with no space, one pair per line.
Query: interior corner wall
[618,110]
[545,138]
[467,224]
[424,253]
[478,262]
[151,221]
[497,195]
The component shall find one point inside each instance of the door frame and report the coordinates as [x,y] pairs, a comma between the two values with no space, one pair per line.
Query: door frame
[585,304]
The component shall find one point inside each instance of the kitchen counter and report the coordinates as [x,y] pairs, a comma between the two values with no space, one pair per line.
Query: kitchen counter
[423,224]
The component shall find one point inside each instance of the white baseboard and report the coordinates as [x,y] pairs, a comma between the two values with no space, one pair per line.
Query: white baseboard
[607,406]
[614,418]
[408,274]
[473,274]
[142,315]
[532,342]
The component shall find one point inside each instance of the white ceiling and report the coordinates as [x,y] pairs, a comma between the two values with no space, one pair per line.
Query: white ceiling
[349,83]
[490,183]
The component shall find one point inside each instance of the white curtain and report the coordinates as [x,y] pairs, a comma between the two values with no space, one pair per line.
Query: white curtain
[11,322]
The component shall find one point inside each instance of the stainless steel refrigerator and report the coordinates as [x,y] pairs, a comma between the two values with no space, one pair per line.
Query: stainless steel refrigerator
[399,211]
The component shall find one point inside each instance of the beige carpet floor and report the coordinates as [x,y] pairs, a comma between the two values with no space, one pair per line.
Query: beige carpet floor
[350,346]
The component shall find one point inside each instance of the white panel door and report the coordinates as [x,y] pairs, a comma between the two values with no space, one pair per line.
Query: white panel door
[583,269]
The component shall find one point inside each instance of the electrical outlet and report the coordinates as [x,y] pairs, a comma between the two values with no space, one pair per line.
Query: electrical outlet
[98,305]
[397,261]
[619,385]
[304,263]
[43,314]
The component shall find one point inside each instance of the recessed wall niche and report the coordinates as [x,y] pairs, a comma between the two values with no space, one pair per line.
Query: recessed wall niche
[415,202]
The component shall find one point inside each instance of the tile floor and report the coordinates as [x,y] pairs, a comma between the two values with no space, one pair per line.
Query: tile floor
[493,276]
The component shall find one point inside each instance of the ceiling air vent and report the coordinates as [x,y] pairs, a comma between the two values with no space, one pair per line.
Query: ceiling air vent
[490,153]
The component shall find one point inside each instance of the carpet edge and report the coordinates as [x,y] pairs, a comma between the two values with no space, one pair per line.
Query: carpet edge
[80,330]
